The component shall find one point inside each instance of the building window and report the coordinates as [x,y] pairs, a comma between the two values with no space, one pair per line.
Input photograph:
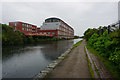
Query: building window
[15,24]
[22,24]
[53,33]
[27,25]
[22,28]
[49,32]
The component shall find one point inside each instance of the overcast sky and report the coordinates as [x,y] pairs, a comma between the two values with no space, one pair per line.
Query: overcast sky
[80,15]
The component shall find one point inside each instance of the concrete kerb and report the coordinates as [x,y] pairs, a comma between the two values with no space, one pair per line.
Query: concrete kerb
[51,66]
[92,64]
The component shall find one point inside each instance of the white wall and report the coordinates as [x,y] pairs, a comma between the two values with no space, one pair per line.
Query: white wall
[50,26]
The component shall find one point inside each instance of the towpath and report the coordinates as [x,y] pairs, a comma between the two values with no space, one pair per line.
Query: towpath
[74,66]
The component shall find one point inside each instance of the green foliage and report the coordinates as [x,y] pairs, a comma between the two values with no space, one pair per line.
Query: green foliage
[89,32]
[30,39]
[109,64]
[107,45]
[11,37]
[76,37]
[93,39]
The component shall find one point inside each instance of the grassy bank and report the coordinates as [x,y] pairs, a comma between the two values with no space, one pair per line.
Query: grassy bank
[77,44]
[90,68]
[108,64]
[106,45]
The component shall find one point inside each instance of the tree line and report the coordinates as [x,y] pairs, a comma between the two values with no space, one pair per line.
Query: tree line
[16,37]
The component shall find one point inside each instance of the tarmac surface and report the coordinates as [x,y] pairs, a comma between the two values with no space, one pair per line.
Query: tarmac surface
[75,65]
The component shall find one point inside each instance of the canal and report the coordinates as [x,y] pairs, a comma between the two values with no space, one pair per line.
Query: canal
[27,61]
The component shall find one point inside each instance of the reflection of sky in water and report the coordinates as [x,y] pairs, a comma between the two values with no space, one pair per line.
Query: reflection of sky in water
[27,61]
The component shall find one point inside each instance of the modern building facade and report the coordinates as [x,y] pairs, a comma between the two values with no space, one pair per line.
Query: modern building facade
[51,27]
[57,27]
[24,27]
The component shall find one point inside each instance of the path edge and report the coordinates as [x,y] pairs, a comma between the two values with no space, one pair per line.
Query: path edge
[42,74]
[92,64]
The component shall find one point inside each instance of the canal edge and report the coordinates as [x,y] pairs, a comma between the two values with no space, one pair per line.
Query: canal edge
[42,74]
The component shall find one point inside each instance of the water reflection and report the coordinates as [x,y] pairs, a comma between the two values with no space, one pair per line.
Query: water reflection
[54,50]
[26,61]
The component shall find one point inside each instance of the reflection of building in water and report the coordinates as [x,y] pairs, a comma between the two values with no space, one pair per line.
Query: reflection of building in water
[56,49]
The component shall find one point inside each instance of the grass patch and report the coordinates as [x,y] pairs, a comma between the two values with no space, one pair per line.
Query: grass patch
[97,70]
[109,65]
[77,44]
[90,68]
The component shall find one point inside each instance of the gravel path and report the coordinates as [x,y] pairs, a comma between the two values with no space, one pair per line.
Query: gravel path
[74,66]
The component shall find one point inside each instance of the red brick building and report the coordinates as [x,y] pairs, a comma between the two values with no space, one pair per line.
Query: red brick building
[24,27]
[57,28]
[51,27]
[48,32]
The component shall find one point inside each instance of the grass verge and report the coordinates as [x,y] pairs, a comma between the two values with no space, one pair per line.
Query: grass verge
[109,65]
[90,68]
[77,44]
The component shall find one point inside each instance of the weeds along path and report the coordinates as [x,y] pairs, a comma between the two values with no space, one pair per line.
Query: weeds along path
[101,69]
[74,66]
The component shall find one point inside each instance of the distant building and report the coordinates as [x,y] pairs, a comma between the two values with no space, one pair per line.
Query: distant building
[57,28]
[54,27]
[24,27]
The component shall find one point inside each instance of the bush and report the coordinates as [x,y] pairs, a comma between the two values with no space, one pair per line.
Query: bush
[107,45]
[11,37]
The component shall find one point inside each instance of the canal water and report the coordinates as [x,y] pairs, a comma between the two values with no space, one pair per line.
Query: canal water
[27,61]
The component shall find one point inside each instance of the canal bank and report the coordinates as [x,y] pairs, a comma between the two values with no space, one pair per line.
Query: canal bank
[27,61]
[76,62]
[73,65]
[97,66]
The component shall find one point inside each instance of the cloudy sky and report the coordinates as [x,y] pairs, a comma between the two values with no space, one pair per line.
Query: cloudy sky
[79,14]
